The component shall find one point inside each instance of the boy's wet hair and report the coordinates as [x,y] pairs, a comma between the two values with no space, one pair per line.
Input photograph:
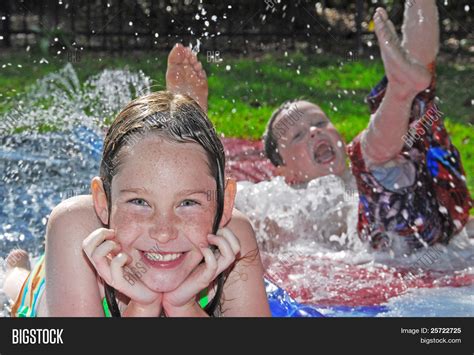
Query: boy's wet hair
[269,138]
[177,118]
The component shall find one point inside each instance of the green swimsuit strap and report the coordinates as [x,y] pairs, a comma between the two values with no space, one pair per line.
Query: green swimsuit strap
[203,298]
[105,306]
[203,302]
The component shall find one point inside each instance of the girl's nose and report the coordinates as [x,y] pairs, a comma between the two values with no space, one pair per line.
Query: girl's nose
[163,230]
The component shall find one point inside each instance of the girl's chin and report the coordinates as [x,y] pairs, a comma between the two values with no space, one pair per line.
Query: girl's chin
[163,286]
[165,282]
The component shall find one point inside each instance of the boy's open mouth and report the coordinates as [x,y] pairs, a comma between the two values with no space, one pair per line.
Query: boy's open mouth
[162,259]
[323,152]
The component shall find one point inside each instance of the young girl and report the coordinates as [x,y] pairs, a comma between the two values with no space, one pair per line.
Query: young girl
[164,246]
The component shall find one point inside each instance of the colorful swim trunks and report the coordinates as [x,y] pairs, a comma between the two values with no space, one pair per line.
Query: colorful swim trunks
[422,195]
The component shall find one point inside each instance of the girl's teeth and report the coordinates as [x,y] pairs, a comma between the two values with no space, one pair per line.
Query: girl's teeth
[162,257]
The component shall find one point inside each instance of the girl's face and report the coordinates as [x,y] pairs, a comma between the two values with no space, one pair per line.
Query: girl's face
[163,208]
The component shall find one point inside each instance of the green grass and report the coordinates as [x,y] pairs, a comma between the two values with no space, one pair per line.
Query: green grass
[242,99]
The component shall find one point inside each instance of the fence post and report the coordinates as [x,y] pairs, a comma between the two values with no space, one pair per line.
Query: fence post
[120,5]
[104,24]
[5,10]
[359,18]
[72,19]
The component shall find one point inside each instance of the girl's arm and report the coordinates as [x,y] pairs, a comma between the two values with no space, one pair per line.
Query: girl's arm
[244,291]
[71,282]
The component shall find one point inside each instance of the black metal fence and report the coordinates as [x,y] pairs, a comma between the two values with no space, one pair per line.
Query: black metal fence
[52,25]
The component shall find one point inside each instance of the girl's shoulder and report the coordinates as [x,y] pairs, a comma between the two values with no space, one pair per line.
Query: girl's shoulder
[242,228]
[74,214]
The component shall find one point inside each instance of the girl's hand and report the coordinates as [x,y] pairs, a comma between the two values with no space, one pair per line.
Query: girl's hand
[182,301]
[111,264]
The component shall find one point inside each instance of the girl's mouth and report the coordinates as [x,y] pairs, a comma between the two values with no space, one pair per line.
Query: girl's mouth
[324,153]
[162,260]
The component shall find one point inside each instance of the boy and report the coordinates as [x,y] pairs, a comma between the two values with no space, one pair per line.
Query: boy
[409,176]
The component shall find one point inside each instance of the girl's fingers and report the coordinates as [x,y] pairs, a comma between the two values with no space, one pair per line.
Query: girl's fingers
[231,239]
[130,286]
[113,269]
[198,280]
[227,257]
[95,239]
[104,249]
[117,269]
[99,258]
[210,269]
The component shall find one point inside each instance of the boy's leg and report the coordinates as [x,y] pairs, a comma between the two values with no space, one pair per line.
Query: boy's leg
[421,30]
[185,75]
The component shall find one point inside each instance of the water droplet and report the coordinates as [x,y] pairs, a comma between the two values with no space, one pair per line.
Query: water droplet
[405,214]
[443,210]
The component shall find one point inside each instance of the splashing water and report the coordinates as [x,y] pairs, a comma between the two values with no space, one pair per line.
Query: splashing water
[310,247]
[41,169]
[307,236]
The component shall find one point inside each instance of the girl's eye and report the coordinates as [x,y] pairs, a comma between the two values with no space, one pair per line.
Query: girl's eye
[187,203]
[139,202]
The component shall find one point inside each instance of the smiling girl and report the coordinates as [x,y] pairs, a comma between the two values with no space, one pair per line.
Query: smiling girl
[165,247]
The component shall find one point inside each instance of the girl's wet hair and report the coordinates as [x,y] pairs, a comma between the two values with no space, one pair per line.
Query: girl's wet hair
[177,118]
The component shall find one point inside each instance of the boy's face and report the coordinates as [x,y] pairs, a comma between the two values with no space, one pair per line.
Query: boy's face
[309,144]
[163,208]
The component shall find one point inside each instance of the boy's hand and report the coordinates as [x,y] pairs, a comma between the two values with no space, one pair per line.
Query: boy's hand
[182,301]
[111,264]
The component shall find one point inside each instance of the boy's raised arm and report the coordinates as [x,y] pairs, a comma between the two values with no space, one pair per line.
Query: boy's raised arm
[407,76]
